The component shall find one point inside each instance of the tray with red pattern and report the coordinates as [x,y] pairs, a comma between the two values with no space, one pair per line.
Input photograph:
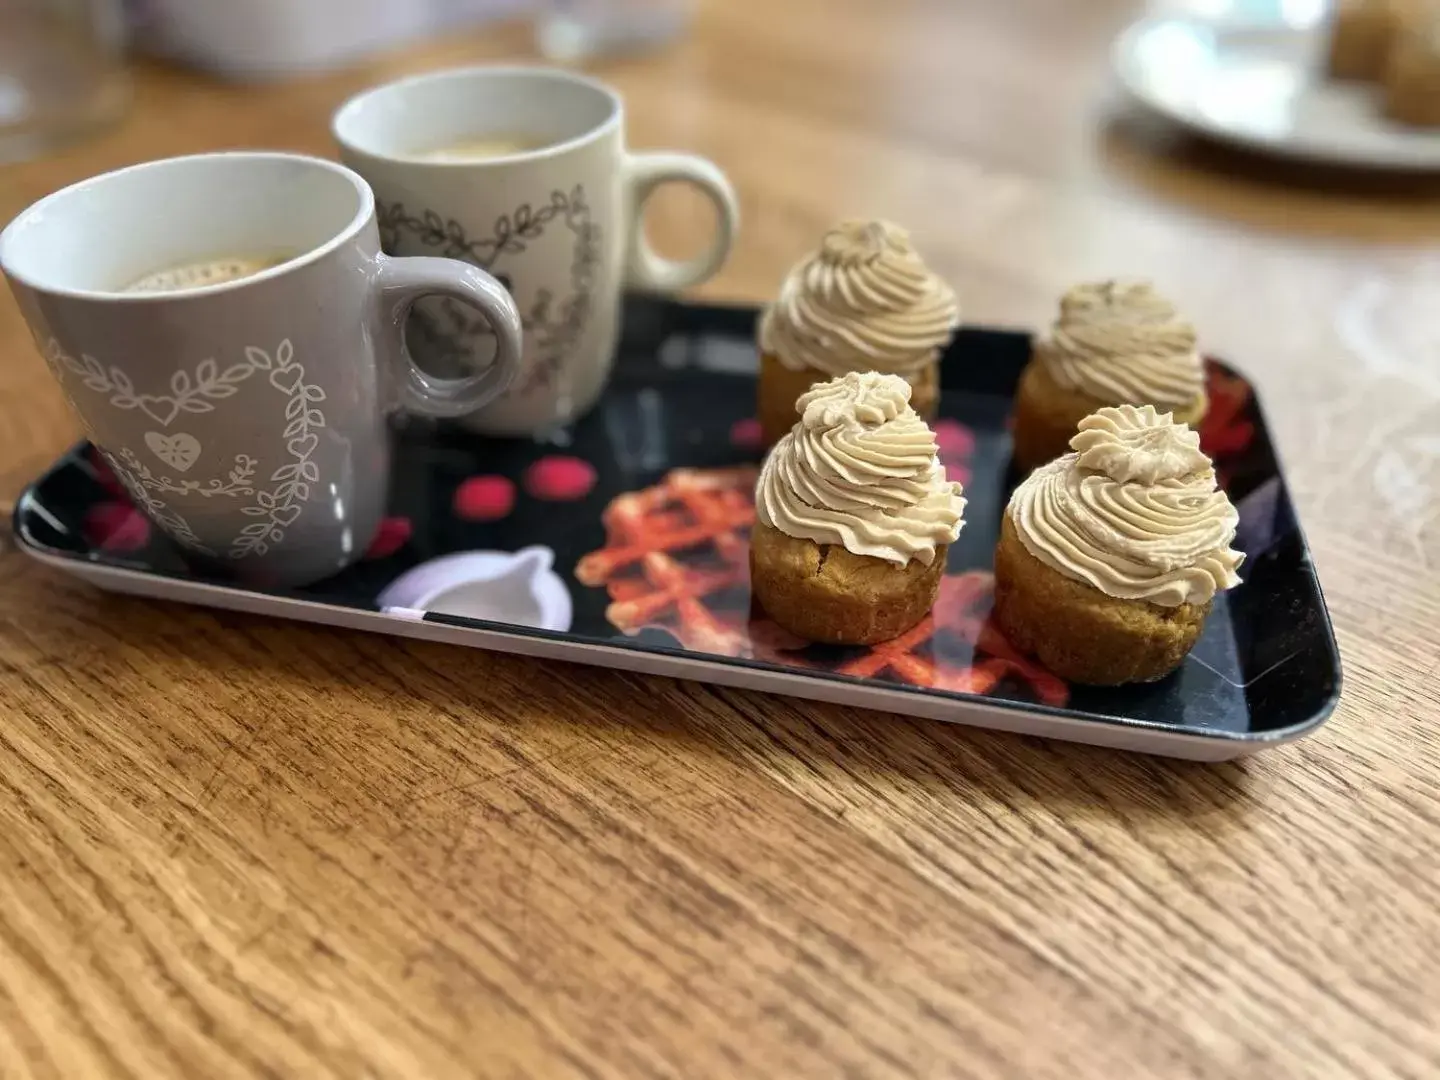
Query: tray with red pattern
[622,541]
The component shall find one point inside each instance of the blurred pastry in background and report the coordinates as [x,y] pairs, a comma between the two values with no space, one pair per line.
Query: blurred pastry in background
[863,301]
[1114,343]
[1412,72]
[1361,33]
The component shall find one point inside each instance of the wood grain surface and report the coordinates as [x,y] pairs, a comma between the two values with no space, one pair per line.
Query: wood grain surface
[232,847]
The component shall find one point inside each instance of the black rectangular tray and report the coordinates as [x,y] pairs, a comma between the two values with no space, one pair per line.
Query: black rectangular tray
[621,541]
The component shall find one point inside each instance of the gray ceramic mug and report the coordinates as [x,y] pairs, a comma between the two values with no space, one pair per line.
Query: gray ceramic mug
[246,419]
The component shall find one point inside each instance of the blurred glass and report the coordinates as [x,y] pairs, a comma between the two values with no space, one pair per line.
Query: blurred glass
[569,31]
[1300,14]
[61,71]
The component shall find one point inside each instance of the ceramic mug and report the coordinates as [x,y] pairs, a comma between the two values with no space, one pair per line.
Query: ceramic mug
[247,418]
[524,172]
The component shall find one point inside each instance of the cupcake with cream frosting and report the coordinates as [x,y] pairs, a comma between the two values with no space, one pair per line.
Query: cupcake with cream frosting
[854,515]
[863,301]
[1114,343]
[1110,557]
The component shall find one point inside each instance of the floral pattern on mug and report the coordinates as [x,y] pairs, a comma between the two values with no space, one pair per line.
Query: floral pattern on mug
[447,330]
[276,506]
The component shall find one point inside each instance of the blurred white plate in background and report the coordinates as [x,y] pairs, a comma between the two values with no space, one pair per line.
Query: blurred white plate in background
[1262,85]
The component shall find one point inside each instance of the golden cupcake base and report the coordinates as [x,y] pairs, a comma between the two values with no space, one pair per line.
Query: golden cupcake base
[781,386]
[1079,632]
[825,593]
[1047,415]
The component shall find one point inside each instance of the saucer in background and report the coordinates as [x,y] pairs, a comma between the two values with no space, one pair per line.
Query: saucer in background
[1262,85]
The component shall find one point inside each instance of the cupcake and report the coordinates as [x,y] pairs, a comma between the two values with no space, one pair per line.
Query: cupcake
[854,515]
[1361,33]
[1115,343]
[1110,556]
[863,302]
[1412,72]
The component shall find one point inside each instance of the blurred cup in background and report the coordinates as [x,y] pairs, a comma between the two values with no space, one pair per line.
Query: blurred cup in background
[61,71]
[573,31]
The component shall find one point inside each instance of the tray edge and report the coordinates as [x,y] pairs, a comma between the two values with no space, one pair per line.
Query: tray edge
[1012,718]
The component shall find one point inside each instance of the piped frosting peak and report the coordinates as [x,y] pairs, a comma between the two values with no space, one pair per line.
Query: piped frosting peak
[861,470]
[1122,342]
[864,300]
[1135,511]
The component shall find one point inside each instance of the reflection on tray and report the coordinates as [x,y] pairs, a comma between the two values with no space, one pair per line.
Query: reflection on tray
[676,561]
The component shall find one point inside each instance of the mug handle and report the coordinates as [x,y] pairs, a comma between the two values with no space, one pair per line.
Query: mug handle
[644,269]
[400,282]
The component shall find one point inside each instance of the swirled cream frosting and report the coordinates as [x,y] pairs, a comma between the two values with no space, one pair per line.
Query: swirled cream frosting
[1134,511]
[1124,343]
[861,469]
[864,301]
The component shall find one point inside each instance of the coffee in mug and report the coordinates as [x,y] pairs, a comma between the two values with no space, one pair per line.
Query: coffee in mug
[481,148]
[247,419]
[208,272]
[562,229]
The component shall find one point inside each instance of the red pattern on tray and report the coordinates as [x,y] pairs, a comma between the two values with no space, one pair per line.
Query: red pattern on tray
[677,559]
[1226,430]
[673,547]
[113,525]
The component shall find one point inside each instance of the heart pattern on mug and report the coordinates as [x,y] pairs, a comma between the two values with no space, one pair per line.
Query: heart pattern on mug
[162,410]
[179,451]
[190,392]
[274,508]
[286,515]
[285,379]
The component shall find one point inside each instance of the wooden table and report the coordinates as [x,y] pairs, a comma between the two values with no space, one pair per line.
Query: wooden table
[236,847]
